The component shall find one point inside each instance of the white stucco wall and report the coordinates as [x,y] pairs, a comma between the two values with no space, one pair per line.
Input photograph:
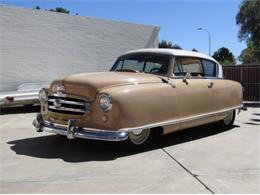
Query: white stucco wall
[37,46]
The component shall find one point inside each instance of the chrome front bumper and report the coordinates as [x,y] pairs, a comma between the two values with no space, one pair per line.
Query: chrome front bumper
[72,131]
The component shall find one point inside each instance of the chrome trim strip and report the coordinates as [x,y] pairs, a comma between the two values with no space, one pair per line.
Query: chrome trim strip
[164,123]
[194,77]
[68,95]
[121,134]
[57,125]
[54,124]
[85,133]
[68,102]
[175,121]
[69,109]
[56,94]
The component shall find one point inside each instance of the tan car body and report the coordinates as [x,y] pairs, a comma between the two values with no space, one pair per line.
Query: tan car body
[141,100]
[139,103]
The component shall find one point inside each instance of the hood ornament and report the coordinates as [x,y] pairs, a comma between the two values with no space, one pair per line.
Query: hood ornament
[60,91]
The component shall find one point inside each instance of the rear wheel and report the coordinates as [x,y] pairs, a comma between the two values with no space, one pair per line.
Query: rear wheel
[139,139]
[228,121]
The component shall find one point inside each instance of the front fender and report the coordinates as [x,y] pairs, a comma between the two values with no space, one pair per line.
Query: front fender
[140,105]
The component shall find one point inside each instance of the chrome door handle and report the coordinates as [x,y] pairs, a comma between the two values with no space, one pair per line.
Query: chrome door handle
[210,84]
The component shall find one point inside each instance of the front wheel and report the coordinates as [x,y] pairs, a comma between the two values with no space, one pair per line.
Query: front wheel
[228,121]
[139,139]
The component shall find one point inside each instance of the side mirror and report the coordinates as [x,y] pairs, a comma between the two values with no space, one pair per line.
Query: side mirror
[187,76]
[168,81]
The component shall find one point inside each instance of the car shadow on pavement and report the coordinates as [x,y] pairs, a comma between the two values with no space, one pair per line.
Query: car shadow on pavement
[250,123]
[19,110]
[255,119]
[79,150]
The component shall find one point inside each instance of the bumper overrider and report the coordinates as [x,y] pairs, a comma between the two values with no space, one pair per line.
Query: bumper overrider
[71,130]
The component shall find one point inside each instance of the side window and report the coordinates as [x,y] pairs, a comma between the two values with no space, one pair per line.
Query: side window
[186,64]
[209,68]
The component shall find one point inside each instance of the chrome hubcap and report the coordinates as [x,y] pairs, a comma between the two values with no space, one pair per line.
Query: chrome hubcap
[139,136]
[137,132]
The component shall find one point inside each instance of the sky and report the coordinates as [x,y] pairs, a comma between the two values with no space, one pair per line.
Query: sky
[178,19]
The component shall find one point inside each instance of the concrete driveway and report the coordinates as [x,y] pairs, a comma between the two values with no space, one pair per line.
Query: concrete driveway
[197,160]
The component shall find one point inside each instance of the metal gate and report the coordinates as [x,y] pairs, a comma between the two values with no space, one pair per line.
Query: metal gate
[248,76]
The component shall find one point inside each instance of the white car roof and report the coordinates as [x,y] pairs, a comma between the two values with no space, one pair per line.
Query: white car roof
[174,52]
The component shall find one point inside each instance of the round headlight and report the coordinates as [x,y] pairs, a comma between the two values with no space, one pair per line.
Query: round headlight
[43,97]
[105,102]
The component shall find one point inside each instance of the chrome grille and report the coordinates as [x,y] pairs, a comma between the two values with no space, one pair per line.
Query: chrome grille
[68,105]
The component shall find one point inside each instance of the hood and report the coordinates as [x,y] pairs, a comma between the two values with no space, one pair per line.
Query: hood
[91,83]
[103,80]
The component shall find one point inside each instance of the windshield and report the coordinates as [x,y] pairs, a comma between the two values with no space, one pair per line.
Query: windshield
[142,63]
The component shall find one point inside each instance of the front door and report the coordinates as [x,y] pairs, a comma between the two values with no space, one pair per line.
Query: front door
[196,96]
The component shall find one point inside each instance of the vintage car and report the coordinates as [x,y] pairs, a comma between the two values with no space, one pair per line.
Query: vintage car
[147,92]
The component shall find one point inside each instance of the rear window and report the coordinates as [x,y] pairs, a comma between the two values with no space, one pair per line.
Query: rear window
[209,68]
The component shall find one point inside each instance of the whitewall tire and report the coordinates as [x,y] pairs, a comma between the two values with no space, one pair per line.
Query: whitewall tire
[228,121]
[139,139]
